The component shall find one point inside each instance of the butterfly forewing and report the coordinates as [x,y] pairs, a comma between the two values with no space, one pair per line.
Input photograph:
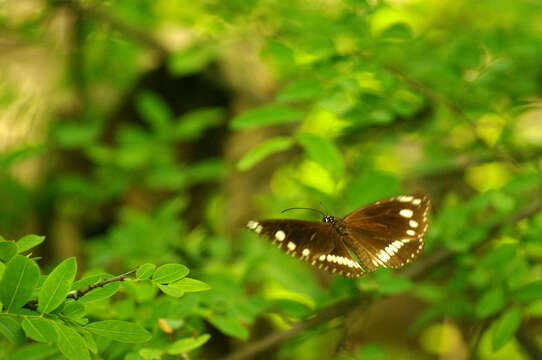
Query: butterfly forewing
[316,242]
[389,233]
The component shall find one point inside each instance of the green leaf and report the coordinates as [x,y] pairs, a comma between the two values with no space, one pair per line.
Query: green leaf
[228,325]
[265,116]
[169,273]
[191,285]
[8,249]
[29,241]
[123,331]
[171,290]
[100,293]
[35,351]
[20,277]
[279,53]
[306,89]
[71,343]
[324,152]
[57,285]
[90,342]
[74,310]
[191,60]
[150,354]
[490,303]
[145,271]
[505,327]
[185,345]
[154,110]
[263,150]
[529,292]
[12,330]
[192,125]
[39,329]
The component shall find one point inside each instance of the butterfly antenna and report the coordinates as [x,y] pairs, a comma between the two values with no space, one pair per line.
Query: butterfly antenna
[302,208]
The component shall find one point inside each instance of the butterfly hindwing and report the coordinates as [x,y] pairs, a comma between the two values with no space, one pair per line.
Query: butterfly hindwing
[315,242]
[389,233]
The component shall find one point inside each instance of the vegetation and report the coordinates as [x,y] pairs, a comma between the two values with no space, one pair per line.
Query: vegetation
[138,137]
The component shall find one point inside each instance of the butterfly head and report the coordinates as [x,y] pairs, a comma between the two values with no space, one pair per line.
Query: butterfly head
[329,219]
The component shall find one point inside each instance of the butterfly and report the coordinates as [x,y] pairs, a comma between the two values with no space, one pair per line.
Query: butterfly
[387,233]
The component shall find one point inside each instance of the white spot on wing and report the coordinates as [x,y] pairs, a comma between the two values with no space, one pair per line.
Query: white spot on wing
[306,252]
[411,232]
[406,213]
[405,198]
[413,223]
[280,236]
[416,202]
[252,224]
[291,246]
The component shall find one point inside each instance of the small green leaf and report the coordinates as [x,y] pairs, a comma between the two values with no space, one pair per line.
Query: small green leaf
[154,110]
[100,293]
[34,351]
[57,285]
[185,345]
[505,327]
[191,60]
[74,310]
[324,152]
[490,303]
[169,273]
[279,53]
[263,150]
[150,354]
[8,249]
[90,342]
[145,271]
[71,343]
[306,89]
[228,325]
[123,331]
[529,292]
[29,241]
[191,285]
[193,124]
[171,290]
[39,329]
[265,116]
[11,329]
[17,284]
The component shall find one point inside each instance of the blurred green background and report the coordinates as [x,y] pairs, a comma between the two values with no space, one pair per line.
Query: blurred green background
[136,131]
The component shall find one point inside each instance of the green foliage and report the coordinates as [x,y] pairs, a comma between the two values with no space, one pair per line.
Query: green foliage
[161,126]
[54,311]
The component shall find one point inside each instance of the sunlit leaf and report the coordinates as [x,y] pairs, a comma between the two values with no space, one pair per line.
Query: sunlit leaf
[265,116]
[263,150]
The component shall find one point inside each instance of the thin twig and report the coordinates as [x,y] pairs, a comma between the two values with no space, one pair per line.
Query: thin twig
[76,294]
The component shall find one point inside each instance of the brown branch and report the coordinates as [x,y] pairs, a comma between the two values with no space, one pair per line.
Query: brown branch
[76,294]
[346,306]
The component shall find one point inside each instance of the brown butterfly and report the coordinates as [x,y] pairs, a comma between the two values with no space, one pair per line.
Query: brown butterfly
[386,233]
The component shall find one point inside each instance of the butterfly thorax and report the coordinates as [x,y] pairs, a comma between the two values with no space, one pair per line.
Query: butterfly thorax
[338,224]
